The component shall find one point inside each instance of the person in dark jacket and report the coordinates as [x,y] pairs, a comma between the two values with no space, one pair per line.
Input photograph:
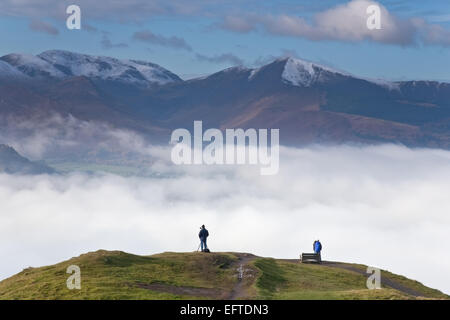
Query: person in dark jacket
[203,234]
[317,247]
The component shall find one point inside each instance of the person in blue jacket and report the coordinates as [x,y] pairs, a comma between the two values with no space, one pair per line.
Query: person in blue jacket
[317,247]
[203,234]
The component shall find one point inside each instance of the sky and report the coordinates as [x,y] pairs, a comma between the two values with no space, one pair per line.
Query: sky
[199,37]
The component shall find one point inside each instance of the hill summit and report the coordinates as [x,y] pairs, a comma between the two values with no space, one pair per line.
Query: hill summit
[196,275]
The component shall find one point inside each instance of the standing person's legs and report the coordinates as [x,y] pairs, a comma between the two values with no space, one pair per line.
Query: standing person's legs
[203,244]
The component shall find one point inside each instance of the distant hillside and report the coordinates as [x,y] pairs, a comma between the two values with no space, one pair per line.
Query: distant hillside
[308,102]
[12,162]
[119,275]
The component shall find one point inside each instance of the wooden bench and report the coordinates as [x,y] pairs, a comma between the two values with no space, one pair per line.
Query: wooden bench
[310,258]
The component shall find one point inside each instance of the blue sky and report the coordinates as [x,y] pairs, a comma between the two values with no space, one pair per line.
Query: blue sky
[197,37]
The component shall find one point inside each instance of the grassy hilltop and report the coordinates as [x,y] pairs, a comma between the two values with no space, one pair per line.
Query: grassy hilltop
[119,275]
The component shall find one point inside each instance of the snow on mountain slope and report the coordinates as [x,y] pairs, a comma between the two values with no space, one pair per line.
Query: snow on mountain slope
[7,71]
[107,68]
[32,66]
[299,72]
[153,72]
[58,64]
[304,73]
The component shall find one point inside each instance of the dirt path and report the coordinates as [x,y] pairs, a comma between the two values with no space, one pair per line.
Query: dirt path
[385,280]
[239,290]
[244,274]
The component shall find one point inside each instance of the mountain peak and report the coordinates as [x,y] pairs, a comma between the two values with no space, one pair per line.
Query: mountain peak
[304,73]
[297,72]
[300,72]
[61,64]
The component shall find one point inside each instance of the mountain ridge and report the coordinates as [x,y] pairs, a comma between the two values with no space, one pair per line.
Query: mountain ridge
[61,64]
[308,102]
[56,62]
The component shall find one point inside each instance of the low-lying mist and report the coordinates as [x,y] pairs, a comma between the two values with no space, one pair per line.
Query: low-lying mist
[386,206]
[66,137]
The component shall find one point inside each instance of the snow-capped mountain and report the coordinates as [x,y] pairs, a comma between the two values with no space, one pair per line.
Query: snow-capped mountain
[294,72]
[60,64]
[304,73]
[308,102]
[300,73]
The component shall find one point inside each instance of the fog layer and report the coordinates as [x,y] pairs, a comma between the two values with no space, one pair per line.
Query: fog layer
[384,206]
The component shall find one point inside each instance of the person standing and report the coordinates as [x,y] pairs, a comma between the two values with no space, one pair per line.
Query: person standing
[203,234]
[317,247]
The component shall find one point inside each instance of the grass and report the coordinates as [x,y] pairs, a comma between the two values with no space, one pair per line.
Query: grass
[288,280]
[408,283]
[271,278]
[116,275]
[120,275]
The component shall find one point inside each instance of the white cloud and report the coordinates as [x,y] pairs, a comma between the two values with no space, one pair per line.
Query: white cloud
[386,206]
[345,22]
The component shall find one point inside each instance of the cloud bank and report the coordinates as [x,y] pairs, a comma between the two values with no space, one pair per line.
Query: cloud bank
[345,22]
[385,206]
[56,136]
